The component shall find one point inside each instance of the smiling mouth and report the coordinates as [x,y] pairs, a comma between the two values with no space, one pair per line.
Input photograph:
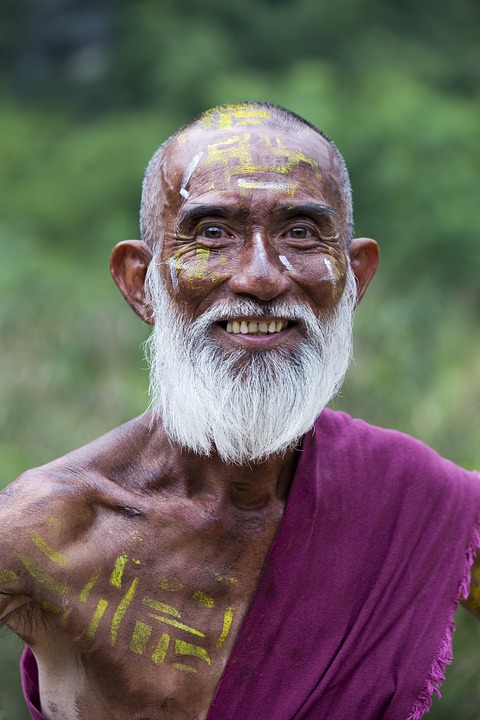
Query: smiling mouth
[254,327]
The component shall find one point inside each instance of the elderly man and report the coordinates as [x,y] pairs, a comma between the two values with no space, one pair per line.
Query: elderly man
[238,551]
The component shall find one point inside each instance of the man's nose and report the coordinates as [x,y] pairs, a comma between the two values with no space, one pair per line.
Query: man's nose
[259,271]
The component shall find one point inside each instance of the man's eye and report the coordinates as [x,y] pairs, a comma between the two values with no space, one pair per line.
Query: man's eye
[299,233]
[212,232]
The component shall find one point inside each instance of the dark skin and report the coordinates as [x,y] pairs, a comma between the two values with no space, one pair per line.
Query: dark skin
[129,564]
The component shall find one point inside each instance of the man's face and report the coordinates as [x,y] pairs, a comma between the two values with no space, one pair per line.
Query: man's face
[252,293]
[252,212]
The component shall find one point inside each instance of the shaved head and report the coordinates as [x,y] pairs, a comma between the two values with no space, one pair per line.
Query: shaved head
[224,117]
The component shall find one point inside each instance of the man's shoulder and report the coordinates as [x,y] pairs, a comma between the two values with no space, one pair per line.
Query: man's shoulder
[98,469]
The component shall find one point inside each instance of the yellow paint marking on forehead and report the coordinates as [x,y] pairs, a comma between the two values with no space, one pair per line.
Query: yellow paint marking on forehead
[235,153]
[240,114]
[56,557]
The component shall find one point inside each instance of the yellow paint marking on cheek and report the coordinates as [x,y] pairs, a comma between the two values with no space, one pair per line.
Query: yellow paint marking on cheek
[161,607]
[203,599]
[56,557]
[227,624]
[117,572]
[8,576]
[42,577]
[140,637]
[97,616]
[202,255]
[161,648]
[88,587]
[184,648]
[121,610]
[177,624]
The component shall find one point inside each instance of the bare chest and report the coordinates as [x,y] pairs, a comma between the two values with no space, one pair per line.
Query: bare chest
[146,613]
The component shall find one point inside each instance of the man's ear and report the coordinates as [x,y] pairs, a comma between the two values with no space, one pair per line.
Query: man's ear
[128,265]
[364,258]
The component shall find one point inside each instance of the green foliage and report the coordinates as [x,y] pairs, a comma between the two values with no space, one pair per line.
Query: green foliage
[396,85]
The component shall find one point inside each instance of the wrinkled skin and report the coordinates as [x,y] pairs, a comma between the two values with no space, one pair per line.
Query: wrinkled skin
[128,565]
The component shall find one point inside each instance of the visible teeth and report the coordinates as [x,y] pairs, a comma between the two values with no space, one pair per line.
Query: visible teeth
[253,327]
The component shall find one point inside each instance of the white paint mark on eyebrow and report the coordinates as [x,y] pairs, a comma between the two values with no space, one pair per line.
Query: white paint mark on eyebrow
[329,267]
[285,262]
[188,174]
[260,185]
[172,264]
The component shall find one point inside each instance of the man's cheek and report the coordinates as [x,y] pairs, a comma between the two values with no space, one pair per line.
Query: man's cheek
[198,271]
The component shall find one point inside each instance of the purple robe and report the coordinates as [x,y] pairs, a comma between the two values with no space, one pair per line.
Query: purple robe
[353,614]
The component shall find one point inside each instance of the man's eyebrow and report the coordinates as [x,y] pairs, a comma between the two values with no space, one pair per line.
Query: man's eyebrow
[309,209]
[189,216]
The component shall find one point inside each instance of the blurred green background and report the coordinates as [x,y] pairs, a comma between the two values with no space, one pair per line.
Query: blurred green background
[89,88]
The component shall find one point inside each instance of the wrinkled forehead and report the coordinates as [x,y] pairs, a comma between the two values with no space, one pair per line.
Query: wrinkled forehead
[244,155]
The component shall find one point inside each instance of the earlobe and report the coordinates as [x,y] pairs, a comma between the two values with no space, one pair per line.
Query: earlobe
[128,265]
[364,259]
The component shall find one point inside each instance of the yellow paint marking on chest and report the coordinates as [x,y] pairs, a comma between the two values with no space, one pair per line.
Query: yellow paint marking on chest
[184,648]
[227,623]
[41,576]
[203,599]
[88,587]
[56,557]
[8,576]
[177,624]
[97,616]
[117,572]
[140,637]
[171,584]
[161,648]
[121,610]
[187,668]
[161,607]
[224,578]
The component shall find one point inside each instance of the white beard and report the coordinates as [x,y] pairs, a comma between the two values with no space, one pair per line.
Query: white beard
[243,404]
